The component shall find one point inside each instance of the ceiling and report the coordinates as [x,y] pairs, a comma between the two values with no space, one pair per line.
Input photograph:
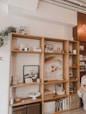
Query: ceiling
[70,4]
[76,5]
[81,3]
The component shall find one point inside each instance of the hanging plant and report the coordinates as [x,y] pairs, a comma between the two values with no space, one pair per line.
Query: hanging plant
[1,42]
[4,34]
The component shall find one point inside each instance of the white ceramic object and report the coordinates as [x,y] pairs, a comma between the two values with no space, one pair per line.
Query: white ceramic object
[74,51]
[34,95]
[38,80]
[18,99]
[28,80]
[11,101]
[82,94]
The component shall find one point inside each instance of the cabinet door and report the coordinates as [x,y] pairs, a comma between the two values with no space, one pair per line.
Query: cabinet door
[34,109]
[19,110]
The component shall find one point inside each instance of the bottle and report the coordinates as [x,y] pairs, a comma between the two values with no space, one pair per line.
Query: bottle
[11,101]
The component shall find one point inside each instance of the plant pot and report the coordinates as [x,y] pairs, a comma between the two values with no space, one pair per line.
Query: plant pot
[1,42]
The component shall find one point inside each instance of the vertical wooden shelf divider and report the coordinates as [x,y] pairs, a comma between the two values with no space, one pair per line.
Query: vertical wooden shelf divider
[42,72]
[75,79]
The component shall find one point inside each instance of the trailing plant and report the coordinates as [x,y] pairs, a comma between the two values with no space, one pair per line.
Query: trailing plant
[4,33]
[7,31]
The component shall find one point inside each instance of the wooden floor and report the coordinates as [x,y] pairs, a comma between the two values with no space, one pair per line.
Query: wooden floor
[76,111]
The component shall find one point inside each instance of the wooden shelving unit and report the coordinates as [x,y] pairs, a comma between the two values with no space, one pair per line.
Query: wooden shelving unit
[21,57]
[54,69]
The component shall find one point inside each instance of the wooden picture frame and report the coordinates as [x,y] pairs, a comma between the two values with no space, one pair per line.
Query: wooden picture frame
[31,72]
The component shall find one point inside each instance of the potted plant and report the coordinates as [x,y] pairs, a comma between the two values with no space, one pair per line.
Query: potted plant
[4,34]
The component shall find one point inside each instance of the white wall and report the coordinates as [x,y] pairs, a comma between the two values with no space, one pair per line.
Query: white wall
[27,4]
[4,66]
[4,78]
[47,20]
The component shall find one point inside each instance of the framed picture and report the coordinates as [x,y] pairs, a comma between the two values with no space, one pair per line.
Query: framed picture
[48,48]
[30,73]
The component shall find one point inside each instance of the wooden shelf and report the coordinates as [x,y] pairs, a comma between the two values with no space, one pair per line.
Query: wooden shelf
[55,81]
[73,41]
[53,96]
[32,52]
[82,60]
[27,101]
[19,35]
[24,84]
[59,53]
[73,67]
[73,79]
[44,60]
[55,39]
[74,93]
[73,54]
[83,71]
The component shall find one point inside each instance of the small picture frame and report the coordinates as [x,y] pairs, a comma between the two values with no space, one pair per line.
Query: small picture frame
[30,73]
[48,48]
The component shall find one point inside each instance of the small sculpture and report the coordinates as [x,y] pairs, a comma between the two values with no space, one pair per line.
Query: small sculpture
[82,91]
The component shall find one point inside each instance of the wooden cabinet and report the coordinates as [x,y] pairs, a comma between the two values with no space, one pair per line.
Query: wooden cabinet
[27,109]
[53,77]
[19,110]
[34,109]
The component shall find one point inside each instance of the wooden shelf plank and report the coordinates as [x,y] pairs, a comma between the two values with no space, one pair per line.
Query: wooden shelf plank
[73,67]
[73,54]
[75,93]
[55,81]
[82,60]
[18,51]
[19,35]
[73,41]
[27,101]
[54,39]
[60,53]
[83,71]
[53,97]
[73,79]
[24,84]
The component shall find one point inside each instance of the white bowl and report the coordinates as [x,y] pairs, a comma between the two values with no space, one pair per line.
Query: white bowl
[34,95]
